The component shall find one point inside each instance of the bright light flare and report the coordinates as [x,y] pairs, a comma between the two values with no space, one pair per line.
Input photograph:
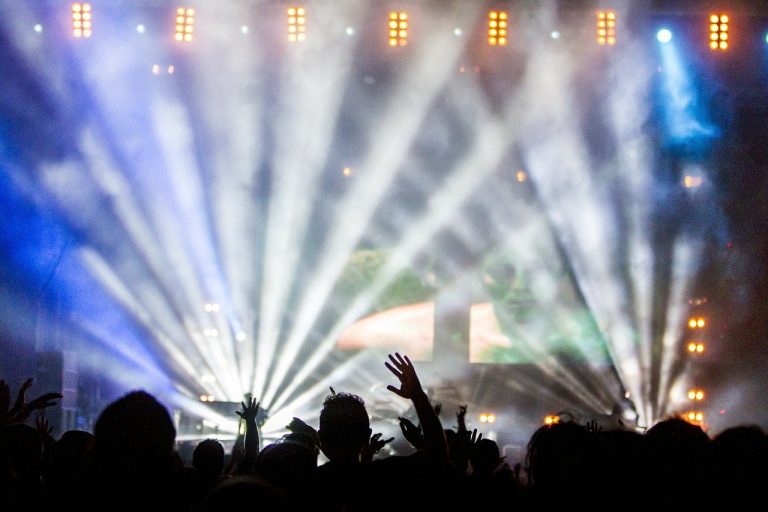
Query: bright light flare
[664,35]
[487,417]
[497,28]
[606,28]
[398,28]
[297,24]
[185,24]
[82,20]
[718,32]
[551,419]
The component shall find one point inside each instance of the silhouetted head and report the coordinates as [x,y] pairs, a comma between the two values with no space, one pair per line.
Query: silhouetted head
[135,428]
[735,466]
[485,457]
[306,440]
[208,459]
[22,446]
[344,427]
[286,465]
[675,448]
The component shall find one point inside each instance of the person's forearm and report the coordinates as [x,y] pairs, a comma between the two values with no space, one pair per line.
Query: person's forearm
[431,426]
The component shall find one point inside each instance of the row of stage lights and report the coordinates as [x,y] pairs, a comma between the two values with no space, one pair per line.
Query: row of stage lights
[398,25]
[697,325]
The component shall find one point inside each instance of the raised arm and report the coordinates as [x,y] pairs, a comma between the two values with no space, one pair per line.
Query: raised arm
[248,414]
[410,388]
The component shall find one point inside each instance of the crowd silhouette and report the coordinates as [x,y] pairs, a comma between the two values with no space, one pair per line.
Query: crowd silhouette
[129,462]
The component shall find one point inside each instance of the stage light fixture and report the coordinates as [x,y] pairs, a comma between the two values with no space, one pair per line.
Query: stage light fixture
[398,28]
[718,31]
[606,28]
[696,394]
[487,417]
[82,20]
[695,347]
[664,35]
[521,176]
[697,322]
[211,307]
[695,417]
[297,24]
[551,419]
[185,24]
[497,28]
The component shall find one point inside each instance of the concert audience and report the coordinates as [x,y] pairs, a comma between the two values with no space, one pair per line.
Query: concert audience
[129,462]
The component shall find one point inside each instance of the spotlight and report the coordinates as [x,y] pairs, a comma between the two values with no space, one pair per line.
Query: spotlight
[458,32]
[185,24]
[398,28]
[555,34]
[241,336]
[521,176]
[697,323]
[487,417]
[141,29]
[347,171]
[695,417]
[244,29]
[82,23]
[497,28]
[297,24]
[210,307]
[206,398]
[350,31]
[551,419]
[696,394]
[664,35]
[606,28]
[695,347]
[692,181]
[718,31]
[38,28]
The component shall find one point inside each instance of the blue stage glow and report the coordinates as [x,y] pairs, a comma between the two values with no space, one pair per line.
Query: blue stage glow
[684,114]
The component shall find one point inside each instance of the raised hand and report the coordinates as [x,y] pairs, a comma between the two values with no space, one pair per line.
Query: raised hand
[412,433]
[375,444]
[403,369]
[461,415]
[21,411]
[248,414]
[250,410]
[43,427]
[19,403]
[463,446]
[297,426]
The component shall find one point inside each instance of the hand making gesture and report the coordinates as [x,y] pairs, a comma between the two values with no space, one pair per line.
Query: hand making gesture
[403,369]
[410,388]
